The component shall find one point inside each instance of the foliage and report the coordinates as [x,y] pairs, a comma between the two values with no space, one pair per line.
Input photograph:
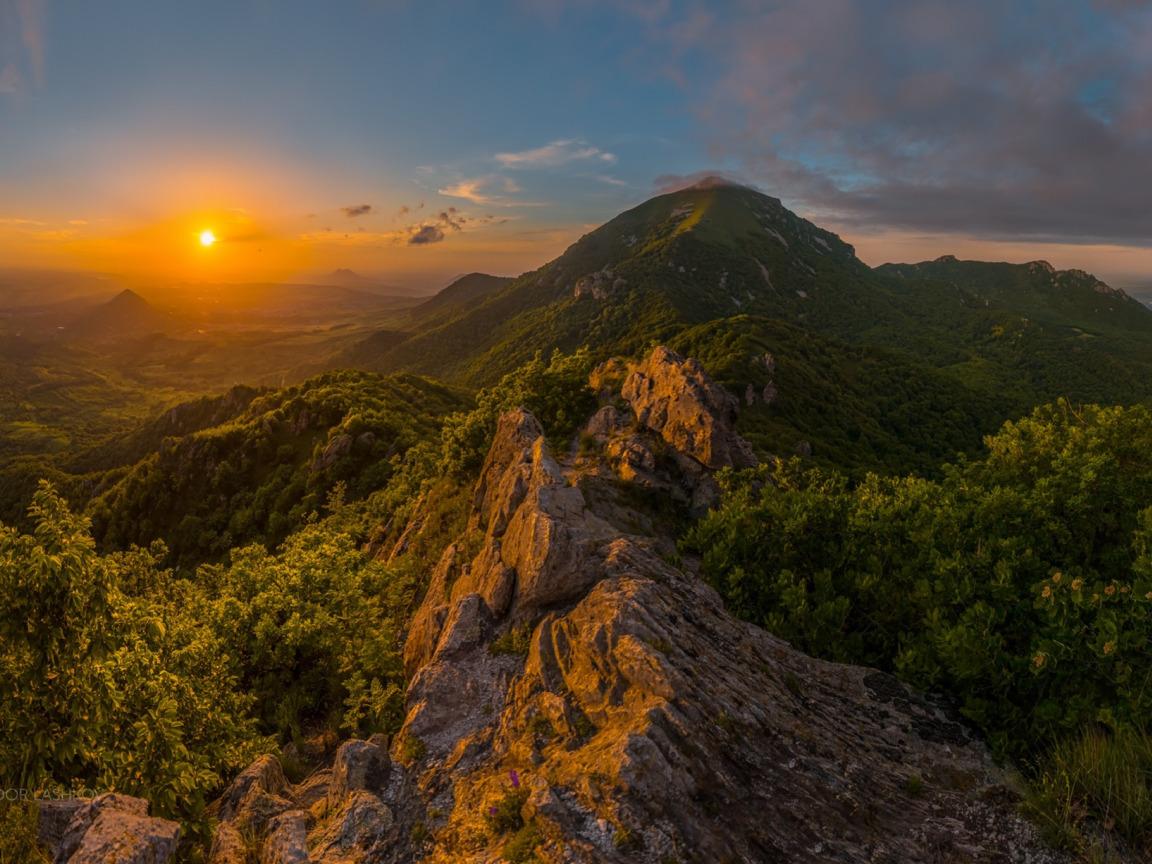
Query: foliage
[1021,583]
[556,392]
[1107,777]
[261,475]
[105,689]
[516,641]
[413,749]
[522,847]
[312,629]
[505,815]
[18,834]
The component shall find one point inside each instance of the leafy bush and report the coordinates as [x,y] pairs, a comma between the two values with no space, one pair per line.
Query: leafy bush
[312,629]
[1020,583]
[557,393]
[106,690]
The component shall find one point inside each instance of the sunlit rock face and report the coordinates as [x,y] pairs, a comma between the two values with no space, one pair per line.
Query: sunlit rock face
[576,697]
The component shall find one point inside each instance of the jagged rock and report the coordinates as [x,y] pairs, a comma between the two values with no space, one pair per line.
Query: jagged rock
[675,398]
[258,807]
[287,841]
[358,766]
[117,828]
[607,422]
[362,822]
[631,459]
[339,447]
[312,789]
[227,846]
[646,724]
[265,773]
[52,820]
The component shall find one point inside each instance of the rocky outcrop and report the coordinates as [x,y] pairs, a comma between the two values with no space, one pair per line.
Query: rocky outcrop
[577,698]
[576,695]
[116,828]
[675,398]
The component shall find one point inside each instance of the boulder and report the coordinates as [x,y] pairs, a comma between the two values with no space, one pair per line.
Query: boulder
[361,823]
[676,398]
[117,828]
[227,846]
[359,766]
[265,774]
[52,820]
[287,840]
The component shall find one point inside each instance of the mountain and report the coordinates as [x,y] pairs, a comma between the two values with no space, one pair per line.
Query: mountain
[126,314]
[920,360]
[461,294]
[345,278]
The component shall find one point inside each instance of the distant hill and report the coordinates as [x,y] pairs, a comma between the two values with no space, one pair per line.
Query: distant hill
[467,288]
[126,314]
[345,278]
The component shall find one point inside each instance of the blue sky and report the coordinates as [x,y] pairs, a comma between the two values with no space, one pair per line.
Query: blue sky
[914,128]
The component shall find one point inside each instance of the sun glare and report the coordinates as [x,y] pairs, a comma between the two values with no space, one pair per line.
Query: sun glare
[207,238]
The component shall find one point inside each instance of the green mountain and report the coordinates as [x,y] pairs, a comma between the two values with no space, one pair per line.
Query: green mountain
[896,367]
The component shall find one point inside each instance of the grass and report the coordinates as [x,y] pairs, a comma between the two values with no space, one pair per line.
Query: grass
[521,848]
[18,834]
[412,750]
[1098,780]
[513,642]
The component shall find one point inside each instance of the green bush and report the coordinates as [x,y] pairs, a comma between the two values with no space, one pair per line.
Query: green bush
[105,689]
[504,816]
[1020,583]
[557,393]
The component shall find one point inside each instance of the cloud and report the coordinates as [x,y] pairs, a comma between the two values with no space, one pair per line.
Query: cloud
[425,234]
[469,189]
[355,210]
[21,45]
[551,155]
[904,114]
[666,183]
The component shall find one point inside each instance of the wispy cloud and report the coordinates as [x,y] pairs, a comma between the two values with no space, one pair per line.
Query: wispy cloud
[469,189]
[556,153]
[355,210]
[21,45]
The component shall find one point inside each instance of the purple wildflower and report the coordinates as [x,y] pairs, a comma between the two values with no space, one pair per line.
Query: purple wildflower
[515,778]
[491,811]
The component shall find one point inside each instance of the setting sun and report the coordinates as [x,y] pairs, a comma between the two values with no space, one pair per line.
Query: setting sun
[207,238]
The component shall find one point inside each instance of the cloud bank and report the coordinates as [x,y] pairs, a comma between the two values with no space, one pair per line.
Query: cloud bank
[995,118]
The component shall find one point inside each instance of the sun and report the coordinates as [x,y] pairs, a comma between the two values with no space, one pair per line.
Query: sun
[207,238]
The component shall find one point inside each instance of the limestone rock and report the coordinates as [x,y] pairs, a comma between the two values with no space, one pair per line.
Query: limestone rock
[677,399]
[264,774]
[358,766]
[117,828]
[361,823]
[52,820]
[647,724]
[287,841]
[312,789]
[227,846]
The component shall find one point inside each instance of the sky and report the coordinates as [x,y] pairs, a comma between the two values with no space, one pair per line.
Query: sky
[414,141]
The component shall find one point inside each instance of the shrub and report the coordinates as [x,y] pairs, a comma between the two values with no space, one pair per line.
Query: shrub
[515,641]
[504,815]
